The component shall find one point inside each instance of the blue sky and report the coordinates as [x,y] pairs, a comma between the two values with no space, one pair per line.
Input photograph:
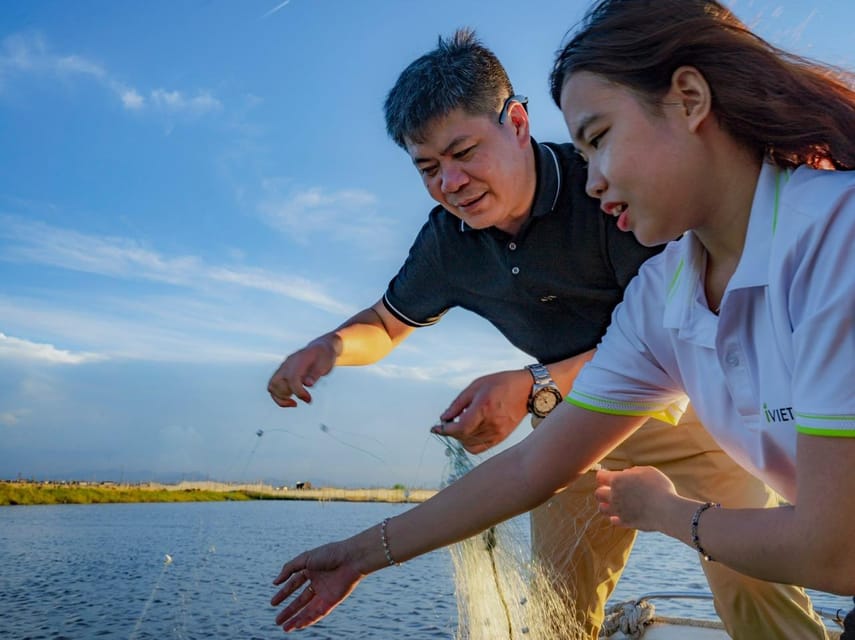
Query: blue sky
[191,190]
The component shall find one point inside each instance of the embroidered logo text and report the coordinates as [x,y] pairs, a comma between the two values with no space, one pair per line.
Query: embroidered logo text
[781,414]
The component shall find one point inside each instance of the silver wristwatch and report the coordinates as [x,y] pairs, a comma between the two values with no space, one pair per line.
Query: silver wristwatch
[545,394]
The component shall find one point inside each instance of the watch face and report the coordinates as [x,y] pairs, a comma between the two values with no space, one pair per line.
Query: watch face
[543,402]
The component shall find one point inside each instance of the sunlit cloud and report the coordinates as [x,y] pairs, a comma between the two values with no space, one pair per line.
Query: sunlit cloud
[18,349]
[437,363]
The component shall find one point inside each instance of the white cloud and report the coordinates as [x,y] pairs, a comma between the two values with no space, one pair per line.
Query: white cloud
[16,348]
[76,64]
[29,53]
[176,101]
[36,242]
[167,329]
[279,6]
[131,99]
[347,215]
[114,256]
[22,53]
[294,287]
[12,418]
[315,208]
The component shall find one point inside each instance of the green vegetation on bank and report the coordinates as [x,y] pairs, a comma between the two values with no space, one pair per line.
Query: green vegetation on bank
[33,493]
[29,494]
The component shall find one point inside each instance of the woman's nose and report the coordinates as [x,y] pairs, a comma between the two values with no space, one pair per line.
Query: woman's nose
[595,186]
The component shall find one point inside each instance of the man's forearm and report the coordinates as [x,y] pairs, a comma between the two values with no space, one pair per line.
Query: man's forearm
[366,338]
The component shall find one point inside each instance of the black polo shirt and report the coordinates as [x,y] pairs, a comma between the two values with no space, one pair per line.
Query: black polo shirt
[550,290]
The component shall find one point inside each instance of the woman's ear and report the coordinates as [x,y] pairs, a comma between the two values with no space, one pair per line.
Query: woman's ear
[690,89]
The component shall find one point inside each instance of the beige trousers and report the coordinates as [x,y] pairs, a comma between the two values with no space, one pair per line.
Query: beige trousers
[586,554]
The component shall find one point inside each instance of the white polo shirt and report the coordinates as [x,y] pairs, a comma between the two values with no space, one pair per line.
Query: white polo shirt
[780,357]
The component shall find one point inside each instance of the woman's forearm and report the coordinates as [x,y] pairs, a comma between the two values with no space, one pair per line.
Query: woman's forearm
[808,544]
[566,444]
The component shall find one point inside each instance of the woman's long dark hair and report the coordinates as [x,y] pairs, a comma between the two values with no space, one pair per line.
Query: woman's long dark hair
[792,110]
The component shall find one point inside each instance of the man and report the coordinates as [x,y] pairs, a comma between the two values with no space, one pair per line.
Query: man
[516,240]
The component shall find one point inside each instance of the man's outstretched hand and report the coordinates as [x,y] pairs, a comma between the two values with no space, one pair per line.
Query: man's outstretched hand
[300,370]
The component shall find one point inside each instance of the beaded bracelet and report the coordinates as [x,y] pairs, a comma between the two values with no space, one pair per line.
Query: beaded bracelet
[696,541]
[385,542]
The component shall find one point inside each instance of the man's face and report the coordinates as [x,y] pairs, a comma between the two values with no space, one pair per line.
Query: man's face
[479,170]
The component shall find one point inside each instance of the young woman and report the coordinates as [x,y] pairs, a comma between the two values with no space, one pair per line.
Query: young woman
[690,124]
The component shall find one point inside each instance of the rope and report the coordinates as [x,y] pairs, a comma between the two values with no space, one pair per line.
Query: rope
[629,618]
[849,625]
[489,538]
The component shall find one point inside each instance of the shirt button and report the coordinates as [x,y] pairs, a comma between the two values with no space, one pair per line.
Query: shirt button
[515,270]
[512,246]
[732,359]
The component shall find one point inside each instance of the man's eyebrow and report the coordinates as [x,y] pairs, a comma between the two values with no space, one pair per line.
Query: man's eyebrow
[446,151]
[584,124]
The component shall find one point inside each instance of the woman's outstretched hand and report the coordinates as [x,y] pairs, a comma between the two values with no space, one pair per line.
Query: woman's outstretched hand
[637,497]
[327,576]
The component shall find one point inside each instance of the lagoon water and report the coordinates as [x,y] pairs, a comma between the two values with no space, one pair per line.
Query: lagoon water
[100,571]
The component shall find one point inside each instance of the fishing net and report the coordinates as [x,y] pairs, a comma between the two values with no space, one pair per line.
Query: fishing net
[502,591]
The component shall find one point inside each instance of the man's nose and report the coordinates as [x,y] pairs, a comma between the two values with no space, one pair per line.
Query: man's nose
[453,178]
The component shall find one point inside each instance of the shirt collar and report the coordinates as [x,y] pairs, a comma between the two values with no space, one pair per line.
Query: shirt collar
[548,171]
[685,301]
[548,186]
[684,267]
[753,267]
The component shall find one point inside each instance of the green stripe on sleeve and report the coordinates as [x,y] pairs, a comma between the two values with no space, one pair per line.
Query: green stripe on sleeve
[663,415]
[834,433]
[825,416]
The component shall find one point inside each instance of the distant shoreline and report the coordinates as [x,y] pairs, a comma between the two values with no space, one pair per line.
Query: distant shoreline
[46,493]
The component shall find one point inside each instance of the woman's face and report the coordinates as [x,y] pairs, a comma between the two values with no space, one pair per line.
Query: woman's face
[646,168]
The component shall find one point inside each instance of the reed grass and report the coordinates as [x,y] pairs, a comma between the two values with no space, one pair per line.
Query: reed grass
[45,493]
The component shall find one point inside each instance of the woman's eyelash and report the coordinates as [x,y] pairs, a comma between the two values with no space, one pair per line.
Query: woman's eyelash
[595,141]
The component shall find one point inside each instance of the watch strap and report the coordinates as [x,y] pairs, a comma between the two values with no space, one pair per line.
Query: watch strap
[540,374]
